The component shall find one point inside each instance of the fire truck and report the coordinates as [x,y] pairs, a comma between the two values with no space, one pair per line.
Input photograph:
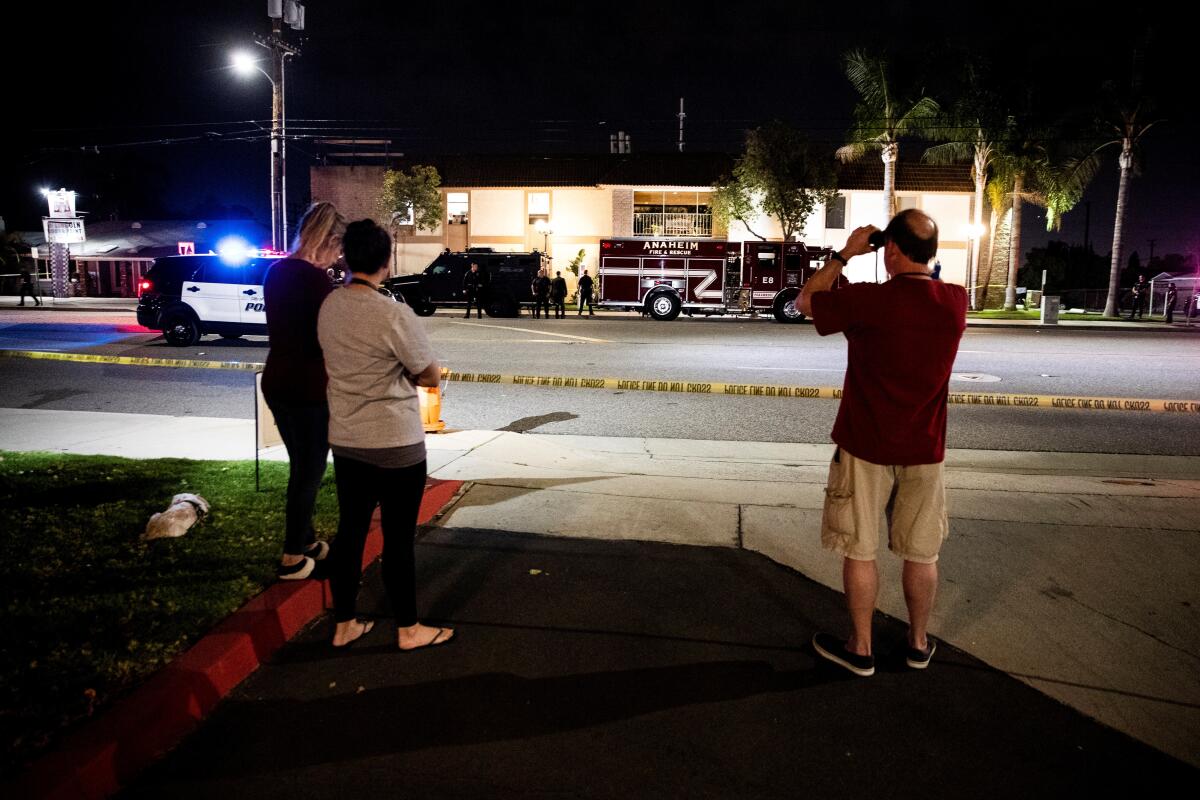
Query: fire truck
[666,277]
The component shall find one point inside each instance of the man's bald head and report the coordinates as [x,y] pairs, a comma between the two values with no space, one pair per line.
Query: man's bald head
[915,235]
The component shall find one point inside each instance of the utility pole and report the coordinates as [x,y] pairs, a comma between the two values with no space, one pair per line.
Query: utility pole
[681,116]
[291,12]
[1151,259]
[1087,226]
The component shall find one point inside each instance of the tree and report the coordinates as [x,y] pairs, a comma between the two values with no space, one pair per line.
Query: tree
[1135,263]
[1068,267]
[412,198]
[969,133]
[1036,164]
[577,262]
[779,173]
[881,117]
[11,247]
[998,201]
[1126,117]
[733,200]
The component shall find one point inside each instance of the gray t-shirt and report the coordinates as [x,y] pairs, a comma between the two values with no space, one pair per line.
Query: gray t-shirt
[369,340]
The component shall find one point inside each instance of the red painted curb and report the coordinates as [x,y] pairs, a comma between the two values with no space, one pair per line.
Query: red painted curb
[98,760]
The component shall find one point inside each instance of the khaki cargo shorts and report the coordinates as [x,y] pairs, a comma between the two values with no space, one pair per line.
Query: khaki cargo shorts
[860,494]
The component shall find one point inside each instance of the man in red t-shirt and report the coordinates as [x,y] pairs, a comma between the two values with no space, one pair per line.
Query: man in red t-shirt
[891,426]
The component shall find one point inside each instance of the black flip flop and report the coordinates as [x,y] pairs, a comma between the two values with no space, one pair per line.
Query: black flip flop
[432,642]
[367,626]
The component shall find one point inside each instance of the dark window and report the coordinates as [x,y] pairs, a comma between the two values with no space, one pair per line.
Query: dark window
[835,213]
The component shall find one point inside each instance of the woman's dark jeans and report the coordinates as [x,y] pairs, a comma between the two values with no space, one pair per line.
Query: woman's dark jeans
[397,492]
[305,433]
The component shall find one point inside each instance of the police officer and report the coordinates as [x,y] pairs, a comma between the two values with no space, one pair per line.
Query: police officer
[1139,293]
[558,296]
[473,290]
[585,293]
[541,294]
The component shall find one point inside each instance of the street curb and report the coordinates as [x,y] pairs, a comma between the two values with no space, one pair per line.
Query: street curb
[97,761]
[1083,326]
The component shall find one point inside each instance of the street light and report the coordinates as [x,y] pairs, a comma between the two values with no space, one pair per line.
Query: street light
[973,232]
[246,65]
[542,226]
[280,12]
[243,64]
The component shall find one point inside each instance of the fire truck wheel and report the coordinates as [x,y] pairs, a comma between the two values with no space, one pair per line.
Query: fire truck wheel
[663,306]
[785,308]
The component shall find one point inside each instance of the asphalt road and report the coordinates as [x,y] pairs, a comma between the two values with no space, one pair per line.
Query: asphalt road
[628,670]
[1065,361]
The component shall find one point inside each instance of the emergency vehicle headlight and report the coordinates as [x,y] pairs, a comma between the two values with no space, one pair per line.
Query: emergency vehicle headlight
[235,251]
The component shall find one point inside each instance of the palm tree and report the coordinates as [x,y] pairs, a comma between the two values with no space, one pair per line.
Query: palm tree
[881,117]
[998,200]
[970,132]
[1127,117]
[1036,164]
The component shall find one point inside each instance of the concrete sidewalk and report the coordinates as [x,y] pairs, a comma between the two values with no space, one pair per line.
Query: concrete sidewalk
[74,303]
[1075,573]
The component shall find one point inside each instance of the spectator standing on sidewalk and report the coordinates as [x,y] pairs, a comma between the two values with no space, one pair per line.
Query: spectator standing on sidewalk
[890,431]
[377,354]
[473,290]
[558,296]
[585,293]
[541,294]
[1193,306]
[293,379]
[1172,298]
[30,287]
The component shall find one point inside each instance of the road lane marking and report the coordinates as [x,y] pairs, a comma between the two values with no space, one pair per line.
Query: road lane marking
[526,330]
[799,369]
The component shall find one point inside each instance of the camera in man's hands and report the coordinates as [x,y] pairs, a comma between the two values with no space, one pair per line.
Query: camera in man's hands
[876,240]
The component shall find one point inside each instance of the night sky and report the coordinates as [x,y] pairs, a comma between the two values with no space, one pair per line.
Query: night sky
[541,77]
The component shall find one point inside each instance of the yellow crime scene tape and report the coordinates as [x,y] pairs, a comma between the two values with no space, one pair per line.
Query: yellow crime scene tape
[133,361]
[826,392]
[1079,403]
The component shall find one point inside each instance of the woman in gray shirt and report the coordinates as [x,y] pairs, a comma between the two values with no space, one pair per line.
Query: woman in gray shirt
[376,354]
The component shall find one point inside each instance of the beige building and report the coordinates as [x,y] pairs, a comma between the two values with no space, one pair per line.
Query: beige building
[566,204]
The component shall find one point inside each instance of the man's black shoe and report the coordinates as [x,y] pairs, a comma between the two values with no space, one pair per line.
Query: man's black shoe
[919,659]
[833,649]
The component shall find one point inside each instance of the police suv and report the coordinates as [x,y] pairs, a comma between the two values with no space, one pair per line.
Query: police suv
[507,278]
[186,297]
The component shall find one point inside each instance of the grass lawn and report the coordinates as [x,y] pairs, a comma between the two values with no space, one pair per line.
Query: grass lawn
[89,610]
[996,313]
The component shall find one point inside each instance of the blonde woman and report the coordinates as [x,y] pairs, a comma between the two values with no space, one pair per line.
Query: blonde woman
[294,377]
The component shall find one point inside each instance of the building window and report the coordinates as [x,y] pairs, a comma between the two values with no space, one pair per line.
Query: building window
[672,214]
[457,204]
[539,207]
[835,212]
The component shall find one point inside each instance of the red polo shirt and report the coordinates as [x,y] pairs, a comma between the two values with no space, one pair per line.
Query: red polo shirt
[903,336]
